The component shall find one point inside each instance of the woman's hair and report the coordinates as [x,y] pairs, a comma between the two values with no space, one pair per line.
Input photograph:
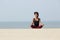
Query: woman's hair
[36,13]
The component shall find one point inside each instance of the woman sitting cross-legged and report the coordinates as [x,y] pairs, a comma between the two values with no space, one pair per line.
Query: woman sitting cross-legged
[36,21]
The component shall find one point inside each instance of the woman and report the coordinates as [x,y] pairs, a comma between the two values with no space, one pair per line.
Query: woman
[36,21]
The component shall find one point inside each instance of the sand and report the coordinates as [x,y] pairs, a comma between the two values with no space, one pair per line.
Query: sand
[30,34]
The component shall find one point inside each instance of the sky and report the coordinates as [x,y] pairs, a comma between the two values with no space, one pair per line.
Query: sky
[23,10]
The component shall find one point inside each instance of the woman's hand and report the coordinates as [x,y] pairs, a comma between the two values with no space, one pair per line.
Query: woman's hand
[41,24]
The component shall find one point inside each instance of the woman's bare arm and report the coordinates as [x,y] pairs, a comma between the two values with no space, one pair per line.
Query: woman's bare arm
[40,23]
[32,22]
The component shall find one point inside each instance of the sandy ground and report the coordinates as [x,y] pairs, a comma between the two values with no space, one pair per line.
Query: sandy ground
[29,34]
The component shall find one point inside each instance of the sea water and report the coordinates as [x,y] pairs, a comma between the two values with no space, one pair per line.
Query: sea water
[26,25]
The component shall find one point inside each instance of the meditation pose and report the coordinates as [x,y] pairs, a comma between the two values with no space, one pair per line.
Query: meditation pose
[36,21]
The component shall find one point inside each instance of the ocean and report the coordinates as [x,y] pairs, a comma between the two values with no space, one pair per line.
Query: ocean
[26,25]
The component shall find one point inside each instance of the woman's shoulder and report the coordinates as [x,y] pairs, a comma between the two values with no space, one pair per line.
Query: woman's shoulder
[33,18]
[39,18]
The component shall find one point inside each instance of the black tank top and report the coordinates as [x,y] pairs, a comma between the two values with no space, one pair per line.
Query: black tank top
[36,23]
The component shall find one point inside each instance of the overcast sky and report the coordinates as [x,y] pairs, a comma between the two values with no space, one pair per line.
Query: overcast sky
[23,10]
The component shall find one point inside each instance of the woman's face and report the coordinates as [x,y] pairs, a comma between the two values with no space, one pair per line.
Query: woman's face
[36,15]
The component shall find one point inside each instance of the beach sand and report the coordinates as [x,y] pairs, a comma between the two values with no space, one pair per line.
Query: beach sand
[30,34]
